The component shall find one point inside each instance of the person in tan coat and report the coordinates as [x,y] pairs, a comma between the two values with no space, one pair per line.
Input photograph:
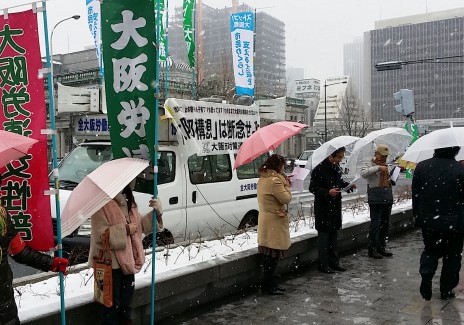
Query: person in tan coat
[125,227]
[273,225]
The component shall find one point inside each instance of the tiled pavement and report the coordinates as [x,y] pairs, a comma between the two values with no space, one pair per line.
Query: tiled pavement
[372,291]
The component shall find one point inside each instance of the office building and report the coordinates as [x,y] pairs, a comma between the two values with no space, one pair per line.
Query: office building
[438,84]
[353,66]
[292,75]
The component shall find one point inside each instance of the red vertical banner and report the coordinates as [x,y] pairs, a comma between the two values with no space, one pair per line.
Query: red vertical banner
[23,111]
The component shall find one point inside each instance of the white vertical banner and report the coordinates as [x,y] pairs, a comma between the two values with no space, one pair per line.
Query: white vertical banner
[242,29]
[94,22]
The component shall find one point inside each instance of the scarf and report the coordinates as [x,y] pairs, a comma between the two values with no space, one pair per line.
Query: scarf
[132,258]
[384,175]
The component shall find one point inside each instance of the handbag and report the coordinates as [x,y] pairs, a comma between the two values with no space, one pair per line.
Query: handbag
[103,274]
[379,195]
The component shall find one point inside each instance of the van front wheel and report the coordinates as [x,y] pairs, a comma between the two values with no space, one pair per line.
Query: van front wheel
[249,220]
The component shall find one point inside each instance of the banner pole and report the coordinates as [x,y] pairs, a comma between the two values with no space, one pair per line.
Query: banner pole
[51,108]
[166,72]
[194,37]
[155,163]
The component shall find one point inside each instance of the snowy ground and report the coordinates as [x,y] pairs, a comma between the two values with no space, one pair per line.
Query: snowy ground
[44,297]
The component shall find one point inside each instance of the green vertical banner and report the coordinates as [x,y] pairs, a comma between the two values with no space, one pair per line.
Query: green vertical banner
[187,7]
[412,128]
[128,34]
[162,36]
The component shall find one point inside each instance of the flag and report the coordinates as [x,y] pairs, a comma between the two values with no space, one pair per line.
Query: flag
[129,57]
[162,28]
[23,111]
[242,34]
[412,128]
[189,30]
[94,22]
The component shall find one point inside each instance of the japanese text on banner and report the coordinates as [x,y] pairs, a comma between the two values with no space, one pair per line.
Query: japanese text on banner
[129,60]
[23,112]
[242,30]
[213,128]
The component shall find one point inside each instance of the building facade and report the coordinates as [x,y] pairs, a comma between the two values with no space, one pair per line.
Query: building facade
[438,86]
[293,74]
[353,66]
[214,49]
[332,94]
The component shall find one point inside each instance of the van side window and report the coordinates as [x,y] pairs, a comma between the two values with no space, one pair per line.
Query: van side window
[251,170]
[209,169]
[166,173]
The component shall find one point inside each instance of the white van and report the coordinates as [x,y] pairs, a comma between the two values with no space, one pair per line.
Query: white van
[303,158]
[202,196]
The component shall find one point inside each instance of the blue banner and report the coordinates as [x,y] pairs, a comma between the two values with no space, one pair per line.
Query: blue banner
[242,36]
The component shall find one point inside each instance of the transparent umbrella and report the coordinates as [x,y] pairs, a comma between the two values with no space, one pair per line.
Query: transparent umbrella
[328,148]
[424,147]
[397,140]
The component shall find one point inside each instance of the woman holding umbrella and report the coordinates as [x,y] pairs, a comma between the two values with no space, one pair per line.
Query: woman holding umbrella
[120,219]
[273,226]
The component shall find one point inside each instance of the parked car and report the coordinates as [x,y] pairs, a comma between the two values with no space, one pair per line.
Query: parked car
[303,158]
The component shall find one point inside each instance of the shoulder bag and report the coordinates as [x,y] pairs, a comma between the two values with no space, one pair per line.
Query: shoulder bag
[103,274]
[379,195]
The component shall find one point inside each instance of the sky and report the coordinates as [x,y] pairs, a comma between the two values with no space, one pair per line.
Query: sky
[315,30]
[43,297]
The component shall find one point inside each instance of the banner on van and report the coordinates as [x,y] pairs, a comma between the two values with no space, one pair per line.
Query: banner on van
[128,31]
[242,34]
[23,112]
[212,128]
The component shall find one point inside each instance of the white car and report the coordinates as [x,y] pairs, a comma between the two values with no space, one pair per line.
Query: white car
[303,159]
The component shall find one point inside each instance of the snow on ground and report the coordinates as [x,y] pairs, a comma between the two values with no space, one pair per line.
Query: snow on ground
[44,297]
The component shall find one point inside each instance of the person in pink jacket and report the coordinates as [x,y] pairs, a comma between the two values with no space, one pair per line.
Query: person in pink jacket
[120,217]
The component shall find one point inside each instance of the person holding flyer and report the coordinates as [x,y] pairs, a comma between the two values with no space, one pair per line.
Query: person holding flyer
[326,184]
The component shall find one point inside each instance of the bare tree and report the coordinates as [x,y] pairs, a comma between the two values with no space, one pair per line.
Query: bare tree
[219,80]
[353,118]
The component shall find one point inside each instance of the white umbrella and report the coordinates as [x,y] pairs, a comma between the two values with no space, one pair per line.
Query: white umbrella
[397,140]
[97,189]
[328,148]
[424,147]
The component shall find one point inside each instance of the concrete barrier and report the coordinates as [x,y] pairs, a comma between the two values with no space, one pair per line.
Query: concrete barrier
[192,286]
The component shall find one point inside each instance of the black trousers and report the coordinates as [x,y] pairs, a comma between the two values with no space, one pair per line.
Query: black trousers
[123,292]
[327,248]
[380,222]
[9,315]
[269,267]
[437,245]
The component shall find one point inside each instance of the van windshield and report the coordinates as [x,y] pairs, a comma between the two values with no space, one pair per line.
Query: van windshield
[82,161]
[305,155]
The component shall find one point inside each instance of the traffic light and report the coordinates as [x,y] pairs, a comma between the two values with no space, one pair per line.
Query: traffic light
[406,105]
[386,66]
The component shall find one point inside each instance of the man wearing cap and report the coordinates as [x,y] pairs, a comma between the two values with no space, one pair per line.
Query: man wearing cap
[380,199]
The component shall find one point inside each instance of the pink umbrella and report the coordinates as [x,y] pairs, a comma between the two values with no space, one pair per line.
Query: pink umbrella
[265,139]
[97,189]
[13,146]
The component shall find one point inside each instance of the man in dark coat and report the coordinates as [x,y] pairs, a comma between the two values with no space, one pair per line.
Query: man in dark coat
[438,205]
[12,244]
[326,183]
